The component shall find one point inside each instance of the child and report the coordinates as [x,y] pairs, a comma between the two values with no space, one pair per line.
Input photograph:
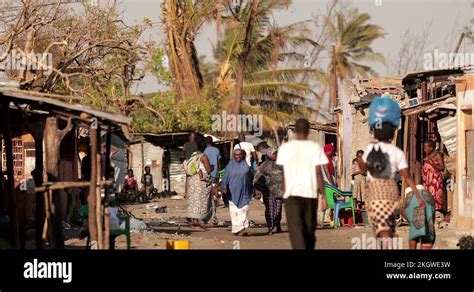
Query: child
[359,177]
[147,181]
[130,183]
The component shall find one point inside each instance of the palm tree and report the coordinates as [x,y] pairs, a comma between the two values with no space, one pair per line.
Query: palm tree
[264,87]
[182,20]
[353,37]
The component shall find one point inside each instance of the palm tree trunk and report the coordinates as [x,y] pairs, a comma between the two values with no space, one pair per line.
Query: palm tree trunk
[243,59]
[182,52]
[239,84]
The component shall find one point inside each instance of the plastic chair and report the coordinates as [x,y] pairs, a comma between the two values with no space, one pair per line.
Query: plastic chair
[333,195]
[221,174]
[84,212]
[117,232]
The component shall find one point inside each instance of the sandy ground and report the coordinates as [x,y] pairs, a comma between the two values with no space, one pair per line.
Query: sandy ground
[220,237]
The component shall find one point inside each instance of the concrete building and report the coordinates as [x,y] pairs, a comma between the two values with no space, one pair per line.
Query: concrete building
[464,199]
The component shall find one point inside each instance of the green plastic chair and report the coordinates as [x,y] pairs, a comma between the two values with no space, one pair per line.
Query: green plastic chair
[118,232]
[332,196]
[221,174]
[84,213]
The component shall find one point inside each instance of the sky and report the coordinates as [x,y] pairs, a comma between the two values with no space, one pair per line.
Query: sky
[447,19]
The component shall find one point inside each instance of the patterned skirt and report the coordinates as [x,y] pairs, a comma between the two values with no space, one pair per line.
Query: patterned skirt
[383,204]
[199,198]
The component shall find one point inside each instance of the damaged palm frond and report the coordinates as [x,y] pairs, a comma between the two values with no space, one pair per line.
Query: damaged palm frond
[263,81]
[353,36]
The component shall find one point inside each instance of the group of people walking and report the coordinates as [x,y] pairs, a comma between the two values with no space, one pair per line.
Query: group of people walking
[237,187]
[295,176]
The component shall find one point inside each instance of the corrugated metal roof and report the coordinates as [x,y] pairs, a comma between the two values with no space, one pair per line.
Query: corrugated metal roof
[410,77]
[447,131]
[23,96]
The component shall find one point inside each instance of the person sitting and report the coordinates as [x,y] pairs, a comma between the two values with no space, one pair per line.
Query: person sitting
[130,184]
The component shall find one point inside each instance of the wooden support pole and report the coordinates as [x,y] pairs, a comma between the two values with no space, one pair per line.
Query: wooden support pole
[108,168]
[38,176]
[405,149]
[12,208]
[47,218]
[98,207]
[52,137]
[107,154]
[36,129]
[47,214]
[91,199]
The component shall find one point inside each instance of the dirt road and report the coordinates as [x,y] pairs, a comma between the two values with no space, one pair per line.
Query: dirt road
[221,237]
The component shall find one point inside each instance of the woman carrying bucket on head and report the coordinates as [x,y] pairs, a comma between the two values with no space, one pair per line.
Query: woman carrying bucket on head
[383,160]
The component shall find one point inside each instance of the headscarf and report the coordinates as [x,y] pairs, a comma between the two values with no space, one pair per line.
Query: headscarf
[238,181]
[330,148]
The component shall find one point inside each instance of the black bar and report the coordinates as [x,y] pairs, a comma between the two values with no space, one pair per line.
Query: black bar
[246,269]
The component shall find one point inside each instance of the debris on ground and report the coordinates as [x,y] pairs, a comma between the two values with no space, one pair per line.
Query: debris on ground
[167,223]
[177,197]
[135,224]
[219,240]
[166,194]
[163,209]
[253,224]
[151,206]
[224,223]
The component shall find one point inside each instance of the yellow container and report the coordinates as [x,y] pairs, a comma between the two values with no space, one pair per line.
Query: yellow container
[177,244]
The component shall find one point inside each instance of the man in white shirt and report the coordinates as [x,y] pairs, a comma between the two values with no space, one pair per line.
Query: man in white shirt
[302,162]
[249,150]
